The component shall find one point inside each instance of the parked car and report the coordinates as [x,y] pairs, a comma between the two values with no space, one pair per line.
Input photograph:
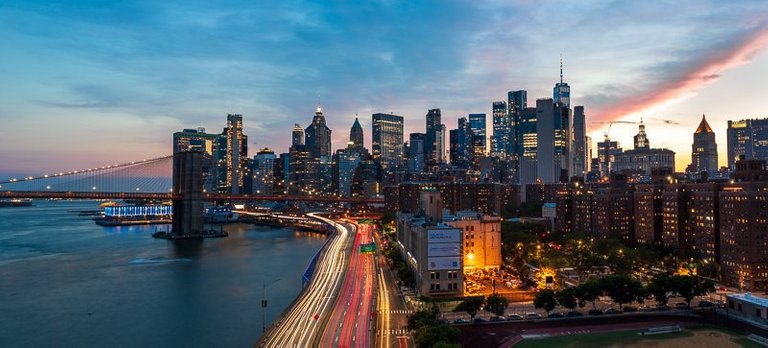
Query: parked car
[498,318]
[630,309]
[573,314]
[646,309]
[479,320]
[681,305]
[556,315]
[532,315]
[460,321]
[612,311]
[514,317]
[706,303]
[662,308]
[595,312]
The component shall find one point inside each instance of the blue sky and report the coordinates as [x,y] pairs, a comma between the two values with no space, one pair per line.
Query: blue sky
[88,83]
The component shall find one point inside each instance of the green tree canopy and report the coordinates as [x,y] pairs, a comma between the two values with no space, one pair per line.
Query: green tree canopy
[496,304]
[545,299]
[471,305]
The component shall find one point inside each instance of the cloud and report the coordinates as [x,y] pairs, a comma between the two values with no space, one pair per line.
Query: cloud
[704,73]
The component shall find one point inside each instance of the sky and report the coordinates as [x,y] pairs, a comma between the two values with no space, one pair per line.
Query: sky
[90,83]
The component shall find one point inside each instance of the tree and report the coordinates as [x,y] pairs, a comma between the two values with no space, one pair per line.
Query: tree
[659,286]
[622,289]
[422,318]
[590,291]
[569,298]
[471,305]
[545,299]
[689,287]
[433,336]
[496,304]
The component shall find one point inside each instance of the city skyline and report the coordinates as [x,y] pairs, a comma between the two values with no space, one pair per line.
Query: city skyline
[105,77]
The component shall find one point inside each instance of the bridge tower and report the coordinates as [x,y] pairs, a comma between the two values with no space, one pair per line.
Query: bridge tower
[188,194]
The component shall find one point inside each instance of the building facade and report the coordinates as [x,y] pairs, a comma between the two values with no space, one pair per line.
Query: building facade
[704,149]
[387,140]
[317,136]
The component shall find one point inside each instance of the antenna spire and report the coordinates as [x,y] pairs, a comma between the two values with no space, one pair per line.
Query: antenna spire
[561,68]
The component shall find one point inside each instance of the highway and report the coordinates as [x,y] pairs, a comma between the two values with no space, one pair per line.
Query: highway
[303,323]
[351,321]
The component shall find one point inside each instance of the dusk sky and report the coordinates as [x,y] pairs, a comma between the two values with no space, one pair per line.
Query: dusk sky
[93,83]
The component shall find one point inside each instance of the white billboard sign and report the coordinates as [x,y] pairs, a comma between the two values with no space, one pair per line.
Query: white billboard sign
[443,249]
[444,236]
[443,263]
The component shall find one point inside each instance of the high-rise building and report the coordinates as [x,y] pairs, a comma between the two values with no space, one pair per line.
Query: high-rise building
[516,102]
[387,140]
[366,181]
[580,154]
[465,137]
[748,138]
[502,130]
[641,139]
[356,134]
[527,146]
[545,141]
[477,124]
[199,140]
[297,135]
[704,149]
[303,171]
[432,139]
[347,161]
[416,155]
[606,155]
[561,94]
[233,164]
[318,136]
[264,172]
[453,143]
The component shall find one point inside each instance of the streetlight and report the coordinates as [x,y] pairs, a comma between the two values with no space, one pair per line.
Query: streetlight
[264,304]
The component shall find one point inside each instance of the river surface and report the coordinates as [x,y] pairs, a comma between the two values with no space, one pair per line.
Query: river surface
[65,281]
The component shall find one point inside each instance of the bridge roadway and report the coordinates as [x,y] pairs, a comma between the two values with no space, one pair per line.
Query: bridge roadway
[304,322]
[169,196]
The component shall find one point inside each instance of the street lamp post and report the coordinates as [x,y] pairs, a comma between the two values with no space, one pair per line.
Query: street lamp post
[264,304]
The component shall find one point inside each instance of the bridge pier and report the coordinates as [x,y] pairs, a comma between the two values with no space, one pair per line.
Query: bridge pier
[188,198]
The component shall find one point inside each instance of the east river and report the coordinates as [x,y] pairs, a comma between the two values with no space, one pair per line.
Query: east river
[65,281]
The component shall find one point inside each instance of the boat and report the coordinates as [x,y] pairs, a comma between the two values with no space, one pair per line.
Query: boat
[16,203]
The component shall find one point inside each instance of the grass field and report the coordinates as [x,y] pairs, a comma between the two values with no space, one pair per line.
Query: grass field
[696,337]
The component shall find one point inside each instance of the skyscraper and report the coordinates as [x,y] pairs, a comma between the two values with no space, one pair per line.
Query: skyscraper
[561,94]
[477,123]
[641,139]
[264,172]
[318,136]
[502,129]
[545,141]
[704,149]
[527,148]
[748,138]
[416,155]
[297,136]
[387,140]
[233,165]
[356,134]
[517,101]
[580,155]
[432,139]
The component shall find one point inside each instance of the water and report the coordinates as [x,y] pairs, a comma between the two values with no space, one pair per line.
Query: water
[66,281]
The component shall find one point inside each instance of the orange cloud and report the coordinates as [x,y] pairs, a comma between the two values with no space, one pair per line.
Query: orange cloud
[704,74]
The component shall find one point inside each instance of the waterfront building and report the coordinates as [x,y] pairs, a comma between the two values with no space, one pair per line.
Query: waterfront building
[282,174]
[356,134]
[704,149]
[263,169]
[484,197]
[317,136]
[387,140]
[195,140]
[749,138]
[303,171]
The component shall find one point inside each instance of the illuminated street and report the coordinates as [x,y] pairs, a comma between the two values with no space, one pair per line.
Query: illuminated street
[350,324]
[304,321]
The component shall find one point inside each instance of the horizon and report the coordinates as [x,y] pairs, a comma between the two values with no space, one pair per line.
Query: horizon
[129,75]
